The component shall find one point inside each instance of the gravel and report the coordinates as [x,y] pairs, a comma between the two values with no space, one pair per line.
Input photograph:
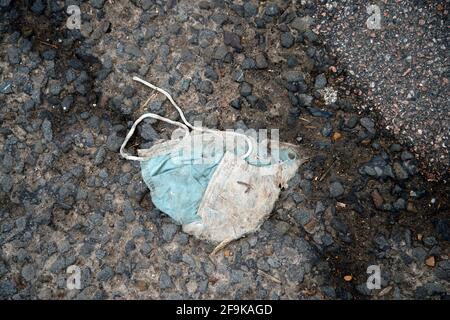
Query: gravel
[272,10]
[320,81]
[233,40]
[168,231]
[68,198]
[245,89]
[399,68]
[336,189]
[206,87]
[248,64]
[287,40]
[105,274]
[165,282]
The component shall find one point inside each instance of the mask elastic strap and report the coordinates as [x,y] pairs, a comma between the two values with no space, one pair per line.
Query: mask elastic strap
[133,128]
[180,112]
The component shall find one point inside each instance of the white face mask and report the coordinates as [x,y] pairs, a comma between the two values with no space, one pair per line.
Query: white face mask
[223,198]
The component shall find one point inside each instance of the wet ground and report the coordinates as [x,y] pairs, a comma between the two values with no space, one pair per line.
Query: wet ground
[68,198]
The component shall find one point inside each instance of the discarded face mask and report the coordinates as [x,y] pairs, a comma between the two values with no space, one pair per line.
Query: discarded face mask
[217,190]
